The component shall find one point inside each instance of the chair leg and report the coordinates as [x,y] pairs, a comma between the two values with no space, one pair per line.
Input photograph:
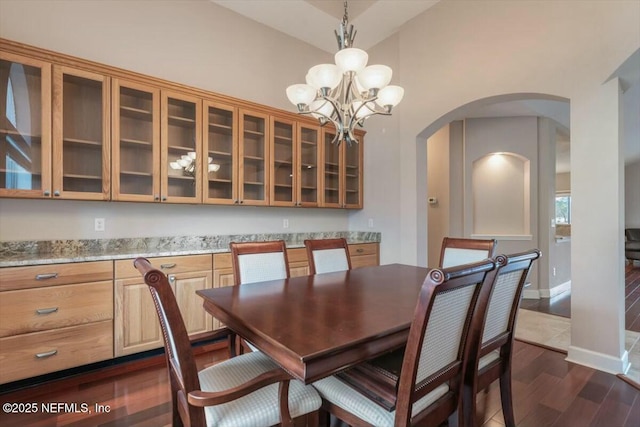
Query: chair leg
[506,397]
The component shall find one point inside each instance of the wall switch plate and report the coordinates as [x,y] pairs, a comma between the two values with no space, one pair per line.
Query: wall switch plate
[99,224]
[370,222]
[285,223]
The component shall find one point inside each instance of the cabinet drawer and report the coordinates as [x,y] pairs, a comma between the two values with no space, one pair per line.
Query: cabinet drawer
[168,265]
[39,309]
[363,249]
[222,260]
[54,274]
[29,355]
[297,255]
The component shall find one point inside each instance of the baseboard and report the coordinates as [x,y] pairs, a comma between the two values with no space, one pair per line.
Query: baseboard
[531,294]
[556,290]
[599,361]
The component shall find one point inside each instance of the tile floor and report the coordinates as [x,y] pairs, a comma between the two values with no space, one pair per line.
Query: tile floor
[555,332]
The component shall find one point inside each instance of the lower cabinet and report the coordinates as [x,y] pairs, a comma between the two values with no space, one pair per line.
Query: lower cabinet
[136,326]
[364,254]
[54,317]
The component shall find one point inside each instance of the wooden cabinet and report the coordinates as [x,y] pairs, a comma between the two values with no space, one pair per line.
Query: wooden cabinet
[54,317]
[81,134]
[364,254]
[136,326]
[298,262]
[294,163]
[342,172]
[253,155]
[222,276]
[181,148]
[220,141]
[25,130]
[136,142]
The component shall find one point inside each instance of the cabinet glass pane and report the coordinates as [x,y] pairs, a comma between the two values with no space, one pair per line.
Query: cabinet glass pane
[82,134]
[136,142]
[283,161]
[254,150]
[352,174]
[331,170]
[181,148]
[20,130]
[220,151]
[308,165]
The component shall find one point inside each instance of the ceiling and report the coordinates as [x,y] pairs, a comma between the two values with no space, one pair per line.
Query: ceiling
[376,20]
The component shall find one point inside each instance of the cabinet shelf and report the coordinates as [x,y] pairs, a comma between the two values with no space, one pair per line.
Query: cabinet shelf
[182,121]
[284,185]
[220,153]
[254,158]
[253,132]
[16,133]
[14,172]
[135,173]
[181,148]
[283,162]
[260,184]
[78,176]
[135,141]
[181,177]
[224,181]
[97,144]
[331,173]
[330,189]
[220,127]
[283,139]
[136,113]
[313,143]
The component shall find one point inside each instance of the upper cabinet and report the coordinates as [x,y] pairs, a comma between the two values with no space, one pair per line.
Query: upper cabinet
[25,130]
[81,134]
[74,129]
[253,155]
[295,153]
[220,157]
[136,142]
[181,137]
[342,172]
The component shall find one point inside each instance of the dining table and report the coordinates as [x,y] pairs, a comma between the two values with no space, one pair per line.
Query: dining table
[315,326]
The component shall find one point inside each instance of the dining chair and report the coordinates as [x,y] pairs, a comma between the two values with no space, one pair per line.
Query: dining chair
[256,262]
[428,388]
[493,360]
[247,390]
[458,251]
[327,255]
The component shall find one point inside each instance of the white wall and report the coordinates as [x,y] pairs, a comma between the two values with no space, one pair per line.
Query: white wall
[439,187]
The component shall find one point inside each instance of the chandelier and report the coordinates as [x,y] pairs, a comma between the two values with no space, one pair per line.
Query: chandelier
[348,92]
[187,163]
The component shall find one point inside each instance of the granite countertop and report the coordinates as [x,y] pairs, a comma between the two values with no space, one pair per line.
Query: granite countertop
[25,253]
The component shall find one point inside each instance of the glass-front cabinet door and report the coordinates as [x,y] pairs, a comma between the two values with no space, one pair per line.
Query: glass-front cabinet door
[353,173]
[221,151]
[81,135]
[283,166]
[308,158]
[253,173]
[331,170]
[181,155]
[136,142]
[25,130]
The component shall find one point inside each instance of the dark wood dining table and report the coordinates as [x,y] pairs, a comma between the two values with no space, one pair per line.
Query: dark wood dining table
[315,326]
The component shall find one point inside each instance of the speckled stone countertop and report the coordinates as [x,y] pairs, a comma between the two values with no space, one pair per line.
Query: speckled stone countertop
[23,253]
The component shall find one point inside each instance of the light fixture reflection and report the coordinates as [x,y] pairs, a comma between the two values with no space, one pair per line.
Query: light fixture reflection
[187,163]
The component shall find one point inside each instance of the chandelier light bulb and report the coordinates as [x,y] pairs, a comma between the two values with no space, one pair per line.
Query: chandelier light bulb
[351,59]
[175,165]
[301,94]
[325,76]
[375,77]
[390,95]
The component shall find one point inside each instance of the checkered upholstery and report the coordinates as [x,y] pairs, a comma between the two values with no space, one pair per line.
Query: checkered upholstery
[328,260]
[459,256]
[259,408]
[500,304]
[259,267]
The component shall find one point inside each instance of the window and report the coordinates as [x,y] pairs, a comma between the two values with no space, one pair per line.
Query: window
[563,209]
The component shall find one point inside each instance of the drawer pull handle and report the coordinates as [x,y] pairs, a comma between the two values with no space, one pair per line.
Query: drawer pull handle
[46,276]
[46,310]
[167,266]
[46,354]
[359,250]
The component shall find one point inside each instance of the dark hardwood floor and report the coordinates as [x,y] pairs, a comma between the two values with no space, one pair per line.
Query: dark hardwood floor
[561,304]
[548,391]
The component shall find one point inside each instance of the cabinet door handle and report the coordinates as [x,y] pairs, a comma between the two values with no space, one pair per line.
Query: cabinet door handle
[56,193]
[167,266]
[46,354]
[46,310]
[46,276]
[172,278]
[47,193]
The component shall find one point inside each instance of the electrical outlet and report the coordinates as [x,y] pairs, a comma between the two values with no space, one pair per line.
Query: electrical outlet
[285,223]
[99,224]
[370,222]
[554,271]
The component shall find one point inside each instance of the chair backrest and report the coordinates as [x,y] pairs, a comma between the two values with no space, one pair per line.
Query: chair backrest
[459,251]
[183,372]
[436,352]
[327,255]
[259,261]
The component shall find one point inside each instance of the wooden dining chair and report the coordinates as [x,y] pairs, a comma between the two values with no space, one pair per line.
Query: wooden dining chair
[328,255]
[428,387]
[256,262]
[493,360]
[247,390]
[458,251]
